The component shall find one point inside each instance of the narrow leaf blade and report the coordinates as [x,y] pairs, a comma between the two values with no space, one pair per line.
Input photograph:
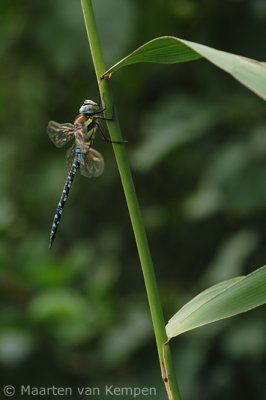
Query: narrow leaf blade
[220,301]
[171,50]
[162,50]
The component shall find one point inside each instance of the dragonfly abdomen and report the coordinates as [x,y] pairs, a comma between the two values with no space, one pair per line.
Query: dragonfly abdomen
[64,196]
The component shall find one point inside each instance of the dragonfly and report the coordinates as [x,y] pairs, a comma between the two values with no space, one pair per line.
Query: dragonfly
[81,156]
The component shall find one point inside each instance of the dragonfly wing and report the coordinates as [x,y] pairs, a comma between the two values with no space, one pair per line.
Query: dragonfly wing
[70,155]
[60,134]
[80,137]
[92,164]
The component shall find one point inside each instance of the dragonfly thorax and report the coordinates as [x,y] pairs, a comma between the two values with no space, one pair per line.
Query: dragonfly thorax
[85,128]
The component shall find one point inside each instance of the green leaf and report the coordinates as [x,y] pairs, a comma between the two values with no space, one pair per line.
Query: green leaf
[171,50]
[228,298]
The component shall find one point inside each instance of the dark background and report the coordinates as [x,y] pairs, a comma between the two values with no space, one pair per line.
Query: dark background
[78,314]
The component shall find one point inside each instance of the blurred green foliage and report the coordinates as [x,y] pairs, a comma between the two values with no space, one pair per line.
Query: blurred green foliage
[78,314]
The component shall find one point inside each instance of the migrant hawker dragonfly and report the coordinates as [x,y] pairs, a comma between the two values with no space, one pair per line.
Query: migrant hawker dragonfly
[81,155]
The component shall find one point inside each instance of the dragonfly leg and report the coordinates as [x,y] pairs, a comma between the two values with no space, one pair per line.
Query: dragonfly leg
[106,118]
[99,102]
[102,106]
[106,139]
[99,112]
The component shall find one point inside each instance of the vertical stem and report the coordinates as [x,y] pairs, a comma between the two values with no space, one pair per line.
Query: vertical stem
[166,365]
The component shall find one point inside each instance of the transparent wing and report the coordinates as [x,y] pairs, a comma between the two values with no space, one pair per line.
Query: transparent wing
[60,134]
[80,136]
[92,164]
[70,154]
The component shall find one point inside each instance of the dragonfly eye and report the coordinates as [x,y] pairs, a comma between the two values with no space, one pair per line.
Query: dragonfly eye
[89,108]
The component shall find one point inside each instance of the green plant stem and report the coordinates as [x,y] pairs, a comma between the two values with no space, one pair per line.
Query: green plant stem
[167,369]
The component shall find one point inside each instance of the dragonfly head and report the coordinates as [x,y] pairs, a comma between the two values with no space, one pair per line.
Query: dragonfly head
[89,107]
